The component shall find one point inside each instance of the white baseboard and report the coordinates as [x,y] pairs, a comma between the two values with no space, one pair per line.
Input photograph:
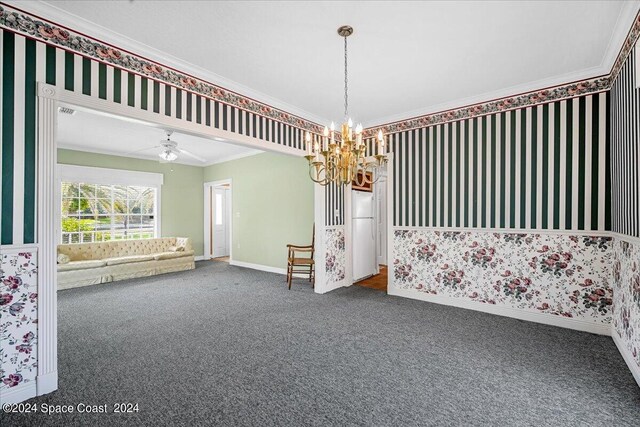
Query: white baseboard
[330,287]
[266,268]
[200,258]
[47,383]
[547,319]
[18,394]
[260,267]
[627,356]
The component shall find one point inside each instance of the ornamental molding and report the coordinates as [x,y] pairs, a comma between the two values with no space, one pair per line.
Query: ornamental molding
[33,27]
[527,99]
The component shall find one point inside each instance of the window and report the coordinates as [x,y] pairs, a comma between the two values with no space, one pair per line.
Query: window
[98,212]
[100,204]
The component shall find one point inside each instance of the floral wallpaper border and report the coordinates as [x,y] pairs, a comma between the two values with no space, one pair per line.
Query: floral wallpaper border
[556,93]
[556,274]
[626,296]
[629,43]
[34,27]
[31,26]
[335,255]
[18,318]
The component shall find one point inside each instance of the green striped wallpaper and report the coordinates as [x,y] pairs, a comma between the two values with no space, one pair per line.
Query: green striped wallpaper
[537,168]
[25,61]
[625,149]
[334,204]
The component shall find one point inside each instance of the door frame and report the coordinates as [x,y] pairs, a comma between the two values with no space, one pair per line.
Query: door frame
[49,98]
[382,186]
[208,186]
[390,206]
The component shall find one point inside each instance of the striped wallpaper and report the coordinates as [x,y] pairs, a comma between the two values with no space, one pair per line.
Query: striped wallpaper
[334,204]
[26,61]
[540,167]
[625,150]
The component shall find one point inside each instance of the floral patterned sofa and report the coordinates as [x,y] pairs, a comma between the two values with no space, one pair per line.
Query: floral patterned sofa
[84,264]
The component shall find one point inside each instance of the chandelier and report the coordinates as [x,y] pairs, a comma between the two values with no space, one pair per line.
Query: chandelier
[343,160]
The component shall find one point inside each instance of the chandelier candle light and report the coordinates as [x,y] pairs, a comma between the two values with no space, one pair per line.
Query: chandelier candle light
[344,162]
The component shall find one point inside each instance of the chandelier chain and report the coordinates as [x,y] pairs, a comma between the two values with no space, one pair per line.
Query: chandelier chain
[346,81]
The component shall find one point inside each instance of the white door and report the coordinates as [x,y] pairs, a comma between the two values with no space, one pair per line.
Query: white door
[221,222]
[364,260]
[381,207]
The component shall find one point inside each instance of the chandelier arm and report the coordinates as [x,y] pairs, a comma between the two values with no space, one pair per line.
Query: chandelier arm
[332,169]
[317,179]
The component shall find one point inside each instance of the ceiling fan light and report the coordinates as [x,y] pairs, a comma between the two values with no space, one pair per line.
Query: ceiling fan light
[168,155]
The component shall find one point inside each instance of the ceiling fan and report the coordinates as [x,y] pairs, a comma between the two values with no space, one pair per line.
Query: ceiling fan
[169,150]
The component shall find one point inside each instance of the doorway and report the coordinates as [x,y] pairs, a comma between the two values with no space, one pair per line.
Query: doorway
[218,220]
[378,199]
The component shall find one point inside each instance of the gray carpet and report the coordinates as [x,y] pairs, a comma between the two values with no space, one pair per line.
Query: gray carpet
[224,345]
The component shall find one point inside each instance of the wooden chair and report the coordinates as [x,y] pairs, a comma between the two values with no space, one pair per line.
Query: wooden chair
[301,265]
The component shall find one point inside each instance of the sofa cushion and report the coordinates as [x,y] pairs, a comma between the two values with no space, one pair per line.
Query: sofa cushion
[170,255]
[81,265]
[128,259]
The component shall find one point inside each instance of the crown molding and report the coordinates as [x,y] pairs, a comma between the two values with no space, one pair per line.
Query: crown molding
[528,94]
[624,26]
[86,29]
[136,156]
[607,73]
[234,157]
[525,88]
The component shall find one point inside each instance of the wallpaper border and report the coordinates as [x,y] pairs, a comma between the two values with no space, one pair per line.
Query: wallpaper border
[34,27]
[526,99]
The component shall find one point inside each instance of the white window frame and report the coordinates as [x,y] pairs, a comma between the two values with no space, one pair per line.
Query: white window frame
[106,176]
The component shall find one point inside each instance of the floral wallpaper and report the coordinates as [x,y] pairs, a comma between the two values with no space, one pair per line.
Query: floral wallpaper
[18,318]
[557,274]
[626,296]
[335,255]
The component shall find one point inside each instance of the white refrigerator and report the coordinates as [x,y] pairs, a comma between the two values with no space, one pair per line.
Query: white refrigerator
[363,235]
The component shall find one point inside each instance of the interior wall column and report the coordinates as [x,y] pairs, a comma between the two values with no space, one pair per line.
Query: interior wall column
[47,209]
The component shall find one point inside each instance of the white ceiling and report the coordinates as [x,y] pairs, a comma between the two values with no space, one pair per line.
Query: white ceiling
[405,58]
[88,131]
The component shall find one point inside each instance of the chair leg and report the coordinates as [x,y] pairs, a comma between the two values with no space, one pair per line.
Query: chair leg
[313,280]
[289,274]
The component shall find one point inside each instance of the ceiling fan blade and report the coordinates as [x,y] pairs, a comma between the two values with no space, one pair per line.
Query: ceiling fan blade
[193,156]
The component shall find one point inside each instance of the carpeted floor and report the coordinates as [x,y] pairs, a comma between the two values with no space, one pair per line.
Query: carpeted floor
[223,345]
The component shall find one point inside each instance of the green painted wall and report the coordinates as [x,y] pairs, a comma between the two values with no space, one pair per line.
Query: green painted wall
[182,191]
[272,193]
[273,196]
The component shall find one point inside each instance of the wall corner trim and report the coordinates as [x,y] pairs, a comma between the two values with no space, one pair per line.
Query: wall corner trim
[628,358]
[563,322]
[47,383]
[333,286]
